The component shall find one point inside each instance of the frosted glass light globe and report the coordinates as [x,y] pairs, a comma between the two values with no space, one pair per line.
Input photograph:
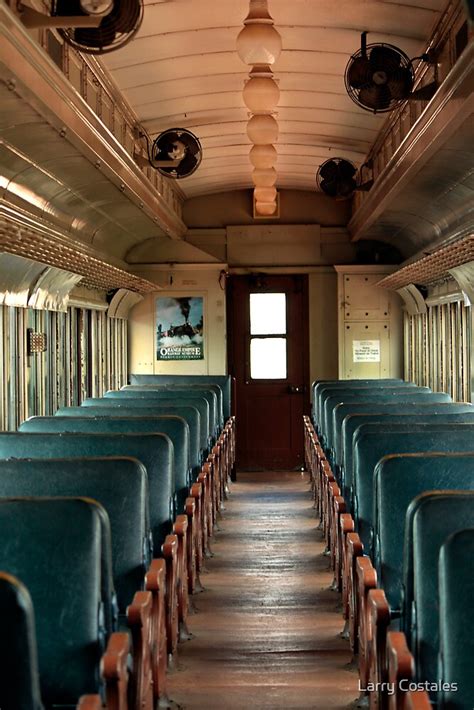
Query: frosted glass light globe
[265,208]
[264,177]
[262,128]
[265,194]
[263,156]
[261,94]
[258,43]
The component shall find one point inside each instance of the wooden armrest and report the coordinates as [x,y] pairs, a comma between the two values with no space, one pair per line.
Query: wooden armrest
[114,669]
[180,528]
[366,577]
[139,617]
[155,582]
[417,700]
[170,553]
[378,621]
[89,702]
[401,664]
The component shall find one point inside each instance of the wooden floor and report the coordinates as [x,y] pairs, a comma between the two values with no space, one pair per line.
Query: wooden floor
[266,631]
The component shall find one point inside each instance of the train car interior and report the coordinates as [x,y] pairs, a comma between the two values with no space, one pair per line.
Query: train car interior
[236,354]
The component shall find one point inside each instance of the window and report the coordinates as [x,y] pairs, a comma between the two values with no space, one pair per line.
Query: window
[268,333]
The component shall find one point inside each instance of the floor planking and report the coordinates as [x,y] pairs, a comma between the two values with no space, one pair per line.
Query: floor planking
[266,631]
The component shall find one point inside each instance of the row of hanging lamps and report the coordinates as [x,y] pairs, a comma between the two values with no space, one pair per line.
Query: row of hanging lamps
[259,45]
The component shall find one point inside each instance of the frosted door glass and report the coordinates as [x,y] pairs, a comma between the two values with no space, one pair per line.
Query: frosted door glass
[268,358]
[267,313]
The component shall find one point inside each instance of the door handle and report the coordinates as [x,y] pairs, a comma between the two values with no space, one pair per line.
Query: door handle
[295,389]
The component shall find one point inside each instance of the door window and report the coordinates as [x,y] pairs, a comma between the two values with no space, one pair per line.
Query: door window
[268,333]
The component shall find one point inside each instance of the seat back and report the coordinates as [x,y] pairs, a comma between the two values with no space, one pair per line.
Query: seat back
[174,427]
[113,408]
[120,485]
[155,451]
[320,386]
[180,388]
[225,382]
[60,564]
[374,441]
[356,386]
[398,395]
[130,399]
[399,478]
[19,679]
[430,519]
[450,412]
[456,586]
[174,395]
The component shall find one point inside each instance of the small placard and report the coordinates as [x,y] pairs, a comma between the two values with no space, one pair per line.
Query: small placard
[366,350]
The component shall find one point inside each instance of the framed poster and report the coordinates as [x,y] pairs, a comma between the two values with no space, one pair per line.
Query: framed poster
[179,328]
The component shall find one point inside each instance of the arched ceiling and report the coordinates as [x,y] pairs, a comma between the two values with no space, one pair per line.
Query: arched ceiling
[182,70]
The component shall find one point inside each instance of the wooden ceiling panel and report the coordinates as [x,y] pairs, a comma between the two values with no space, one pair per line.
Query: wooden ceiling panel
[182,70]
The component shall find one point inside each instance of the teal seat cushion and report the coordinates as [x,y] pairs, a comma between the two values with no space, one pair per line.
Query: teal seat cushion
[456,585]
[374,441]
[430,519]
[225,382]
[115,409]
[120,485]
[19,675]
[54,547]
[155,451]
[399,478]
[174,427]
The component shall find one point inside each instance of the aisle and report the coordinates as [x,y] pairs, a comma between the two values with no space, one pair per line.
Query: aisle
[267,627]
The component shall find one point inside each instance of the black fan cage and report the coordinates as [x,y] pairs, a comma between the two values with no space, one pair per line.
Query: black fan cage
[336,177]
[114,31]
[379,78]
[176,142]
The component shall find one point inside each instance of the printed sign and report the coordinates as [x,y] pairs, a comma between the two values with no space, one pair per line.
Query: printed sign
[179,328]
[366,350]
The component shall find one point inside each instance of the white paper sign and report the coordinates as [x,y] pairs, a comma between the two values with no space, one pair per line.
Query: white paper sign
[366,350]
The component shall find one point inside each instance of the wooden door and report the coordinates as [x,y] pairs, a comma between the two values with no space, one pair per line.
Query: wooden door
[268,356]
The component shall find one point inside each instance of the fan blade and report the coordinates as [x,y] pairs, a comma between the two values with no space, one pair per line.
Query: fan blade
[359,72]
[329,187]
[375,97]
[401,84]
[125,14]
[329,170]
[64,8]
[102,36]
[346,187]
[384,59]
[346,170]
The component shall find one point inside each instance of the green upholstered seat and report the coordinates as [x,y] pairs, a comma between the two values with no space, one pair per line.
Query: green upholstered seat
[115,408]
[398,480]
[387,396]
[54,546]
[366,413]
[225,382]
[216,389]
[174,395]
[174,427]
[155,451]
[319,386]
[430,519]
[162,407]
[19,675]
[456,586]
[120,485]
[374,441]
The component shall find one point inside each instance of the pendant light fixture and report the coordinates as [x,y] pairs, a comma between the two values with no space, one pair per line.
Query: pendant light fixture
[259,46]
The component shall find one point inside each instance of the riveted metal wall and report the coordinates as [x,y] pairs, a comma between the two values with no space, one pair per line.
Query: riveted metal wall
[439,348]
[86,354]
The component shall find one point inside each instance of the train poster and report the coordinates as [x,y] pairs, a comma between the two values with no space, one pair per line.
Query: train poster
[179,328]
